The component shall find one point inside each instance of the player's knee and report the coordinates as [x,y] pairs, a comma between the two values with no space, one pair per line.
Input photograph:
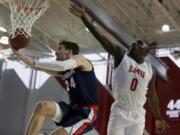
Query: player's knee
[41,107]
[46,108]
[59,131]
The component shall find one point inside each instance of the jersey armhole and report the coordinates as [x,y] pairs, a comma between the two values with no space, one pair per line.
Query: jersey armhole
[124,57]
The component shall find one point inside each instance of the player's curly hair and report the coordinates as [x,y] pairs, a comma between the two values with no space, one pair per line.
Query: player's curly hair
[141,42]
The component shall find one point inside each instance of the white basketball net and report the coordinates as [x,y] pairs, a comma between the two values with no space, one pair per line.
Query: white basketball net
[24,13]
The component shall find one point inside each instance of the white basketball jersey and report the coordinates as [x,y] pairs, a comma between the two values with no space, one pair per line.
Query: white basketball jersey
[130,82]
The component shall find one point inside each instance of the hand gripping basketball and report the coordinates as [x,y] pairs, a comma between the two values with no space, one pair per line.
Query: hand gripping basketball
[19,40]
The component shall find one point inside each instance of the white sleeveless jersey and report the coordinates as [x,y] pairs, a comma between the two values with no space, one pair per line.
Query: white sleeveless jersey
[130,82]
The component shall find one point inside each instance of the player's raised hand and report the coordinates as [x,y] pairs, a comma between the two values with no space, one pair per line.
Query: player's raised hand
[15,52]
[161,125]
[76,9]
[28,60]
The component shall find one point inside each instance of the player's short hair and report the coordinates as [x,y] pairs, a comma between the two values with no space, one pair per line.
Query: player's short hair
[70,45]
[141,42]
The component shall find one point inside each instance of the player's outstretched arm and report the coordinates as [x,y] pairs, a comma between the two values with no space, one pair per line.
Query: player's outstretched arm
[55,67]
[161,124]
[110,47]
[27,60]
[31,62]
[71,63]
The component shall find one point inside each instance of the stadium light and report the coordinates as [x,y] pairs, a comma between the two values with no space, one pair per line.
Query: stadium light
[165,28]
[4,40]
[3,29]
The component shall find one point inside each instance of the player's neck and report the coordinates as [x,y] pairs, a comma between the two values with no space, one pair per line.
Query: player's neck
[130,54]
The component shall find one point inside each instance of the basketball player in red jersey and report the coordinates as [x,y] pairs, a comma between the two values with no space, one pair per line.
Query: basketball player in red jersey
[133,79]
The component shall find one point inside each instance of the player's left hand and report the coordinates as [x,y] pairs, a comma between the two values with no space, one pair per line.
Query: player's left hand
[28,60]
[76,9]
[16,53]
[161,125]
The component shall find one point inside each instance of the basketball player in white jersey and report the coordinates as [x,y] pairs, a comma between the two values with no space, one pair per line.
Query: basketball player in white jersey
[133,81]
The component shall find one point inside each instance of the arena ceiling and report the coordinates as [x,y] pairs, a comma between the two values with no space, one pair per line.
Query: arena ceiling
[141,19]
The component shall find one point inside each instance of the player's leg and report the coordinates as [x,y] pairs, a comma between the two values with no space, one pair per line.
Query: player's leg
[76,120]
[136,129]
[85,120]
[59,131]
[117,125]
[43,110]
[116,131]
[43,134]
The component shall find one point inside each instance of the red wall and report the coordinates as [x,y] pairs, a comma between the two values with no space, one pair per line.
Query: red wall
[167,91]
[105,101]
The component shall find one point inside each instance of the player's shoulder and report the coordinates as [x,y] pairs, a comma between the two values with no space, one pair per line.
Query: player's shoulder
[83,62]
[79,57]
[127,56]
[149,68]
[149,65]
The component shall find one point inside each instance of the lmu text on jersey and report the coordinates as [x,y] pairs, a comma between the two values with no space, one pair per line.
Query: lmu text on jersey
[137,70]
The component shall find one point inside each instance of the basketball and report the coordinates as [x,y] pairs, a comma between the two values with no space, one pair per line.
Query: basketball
[20,40]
